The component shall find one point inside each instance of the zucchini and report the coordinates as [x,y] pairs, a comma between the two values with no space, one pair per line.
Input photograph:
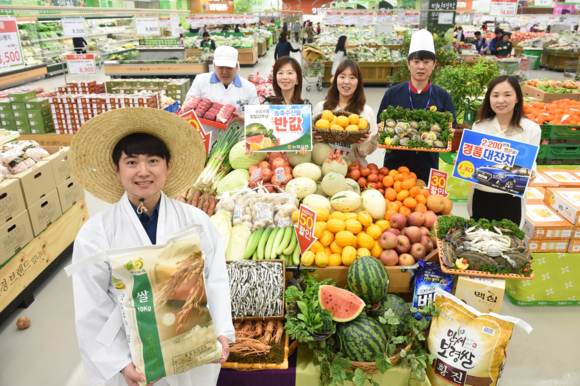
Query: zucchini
[285,240]
[262,244]
[253,243]
[255,255]
[293,242]
[296,255]
[277,241]
[270,243]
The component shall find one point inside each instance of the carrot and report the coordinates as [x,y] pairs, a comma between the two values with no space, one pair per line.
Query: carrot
[194,198]
[205,207]
[201,201]
[212,206]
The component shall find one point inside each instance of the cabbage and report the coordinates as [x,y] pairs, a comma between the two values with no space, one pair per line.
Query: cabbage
[240,160]
[233,181]
[238,242]
[223,222]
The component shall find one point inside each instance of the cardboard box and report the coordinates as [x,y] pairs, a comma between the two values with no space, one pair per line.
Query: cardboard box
[8,114]
[574,246]
[39,122]
[8,123]
[11,200]
[44,212]
[310,54]
[19,114]
[542,181]
[544,223]
[483,294]
[546,97]
[24,130]
[564,178]
[36,182]
[535,193]
[5,104]
[18,106]
[546,246]
[69,193]
[566,201]
[60,164]
[14,236]
[22,96]
[22,122]
[37,104]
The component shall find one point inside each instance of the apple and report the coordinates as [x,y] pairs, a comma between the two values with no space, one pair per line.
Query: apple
[430,219]
[388,240]
[406,259]
[398,221]
[427,243]
[394,231]
[418,251]
[414,234]
[416,219]
[425,231]
[389,258]
[433,240]
[403,245]
[403,231]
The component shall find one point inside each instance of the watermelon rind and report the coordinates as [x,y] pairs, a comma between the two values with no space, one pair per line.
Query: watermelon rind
[354,305]
[362,339]
[368,278]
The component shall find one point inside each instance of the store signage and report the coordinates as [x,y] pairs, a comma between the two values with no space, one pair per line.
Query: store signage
[74,28]
[305,228]
[191,117]
[445,17]
[81,64]
[385,17]
[278,128]
[543,3]
[495,162]
[239,20]
[147,26]
[10,48]
[332,17]
[196,22]
[572,20]
[349,18]
[481,5]
[164,22]
[227,20]
[365,18]
[504,8]
[438,183]
[412,17]
[477,18]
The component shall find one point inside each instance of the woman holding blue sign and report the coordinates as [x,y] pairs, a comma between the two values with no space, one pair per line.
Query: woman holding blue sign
[502,115]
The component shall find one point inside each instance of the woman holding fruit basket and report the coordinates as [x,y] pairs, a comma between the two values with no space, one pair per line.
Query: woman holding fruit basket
[347,93]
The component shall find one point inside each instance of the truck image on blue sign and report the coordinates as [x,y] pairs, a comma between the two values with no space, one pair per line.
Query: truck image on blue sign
[504,177]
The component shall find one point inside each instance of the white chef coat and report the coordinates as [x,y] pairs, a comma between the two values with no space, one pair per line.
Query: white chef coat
[531,135]
[95,296]
[239,93]
[358,151]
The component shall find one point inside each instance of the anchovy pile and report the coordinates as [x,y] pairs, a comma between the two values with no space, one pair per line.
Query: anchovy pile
[256,288]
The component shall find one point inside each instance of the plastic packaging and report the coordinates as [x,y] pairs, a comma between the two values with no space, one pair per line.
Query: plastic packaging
[426,278]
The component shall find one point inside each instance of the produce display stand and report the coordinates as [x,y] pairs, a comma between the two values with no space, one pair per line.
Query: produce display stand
[373,72]
[446,150]
[49,139]
[157,70]
[518,51]
[161,53]
[262,49]
[26,270]
[196,52]
[556,60]
[248,57]
[397,66]
[25,74]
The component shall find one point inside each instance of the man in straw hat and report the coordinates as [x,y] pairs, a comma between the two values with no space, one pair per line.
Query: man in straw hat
[139,159]
[417,94]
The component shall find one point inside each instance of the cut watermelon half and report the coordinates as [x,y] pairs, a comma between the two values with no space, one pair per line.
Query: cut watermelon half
[344,305]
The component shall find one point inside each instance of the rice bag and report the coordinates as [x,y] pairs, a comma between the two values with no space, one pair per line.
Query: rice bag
[470,347]
[426,278]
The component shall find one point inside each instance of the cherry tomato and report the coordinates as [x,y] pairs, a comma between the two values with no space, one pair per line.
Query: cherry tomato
[380,185]
[381,191]
[381,176]
[372,166]
[525,270]
[372,185]
[362,182]
[365,172]
[452,230]
[372,178]
[464,261]
[384,171]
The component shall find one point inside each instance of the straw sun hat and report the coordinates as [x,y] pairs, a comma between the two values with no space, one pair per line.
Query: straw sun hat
[92,149]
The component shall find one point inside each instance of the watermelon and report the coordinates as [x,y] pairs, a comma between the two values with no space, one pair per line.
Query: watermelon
[368,278]
[344,305]
[399,307]
[362,339]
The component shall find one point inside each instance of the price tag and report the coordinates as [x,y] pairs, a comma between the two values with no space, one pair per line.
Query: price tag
[365,18]
[10,48]
[305,228]
[284,223]
[445,17]
[74,28]
[384,17]
[263,211]
[280,175]
[438,183]
[238,213]
[504,8]
[256,174]
[147,26]
[81,64]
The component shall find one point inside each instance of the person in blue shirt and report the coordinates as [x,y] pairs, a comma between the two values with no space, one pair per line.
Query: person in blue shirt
[207,42]
[284,47]
[417,94]
[481,43]
[496,41]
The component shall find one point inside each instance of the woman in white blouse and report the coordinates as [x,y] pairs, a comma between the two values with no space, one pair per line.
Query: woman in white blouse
[502,115]
[340,56]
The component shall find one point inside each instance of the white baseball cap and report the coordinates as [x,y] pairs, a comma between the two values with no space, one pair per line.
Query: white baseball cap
[225,57]
[421,40]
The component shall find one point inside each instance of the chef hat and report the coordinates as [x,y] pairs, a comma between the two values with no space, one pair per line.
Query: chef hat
[422,40]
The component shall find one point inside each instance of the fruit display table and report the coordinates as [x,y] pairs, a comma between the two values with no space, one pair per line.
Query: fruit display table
[161,53]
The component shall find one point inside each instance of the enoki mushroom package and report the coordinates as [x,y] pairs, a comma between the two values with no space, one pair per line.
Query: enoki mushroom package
[161,292]
[471,347]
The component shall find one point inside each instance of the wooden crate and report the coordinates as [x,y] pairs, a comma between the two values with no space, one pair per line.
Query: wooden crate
[372,72]
[518,51]
[248,56]
[48,139]
[262,49]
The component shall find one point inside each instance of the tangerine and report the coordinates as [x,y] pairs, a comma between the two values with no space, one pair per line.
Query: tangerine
[391,194]
[407,184]
[403,169]
[421,199]
[389,213]
[388,181]
[410,202]
[393,206]
[413,176]
[404,210]
[393,173]
[414,191]
[399,204]
[399,177]
[402,195]
[397,186]
[421,208]
[425,193]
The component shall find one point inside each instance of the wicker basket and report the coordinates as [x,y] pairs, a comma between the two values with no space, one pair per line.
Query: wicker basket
[339,136]
[371,367]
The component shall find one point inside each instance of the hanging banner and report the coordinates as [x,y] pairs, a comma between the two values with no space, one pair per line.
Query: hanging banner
[412,17]
[384,17]
[349,18]
[543,3]
[10,47]
[504,8]
[74,28]
[81,64]
[365,18]
[481,5]
[477,18]
[241,6]
[147,26]
[332,17]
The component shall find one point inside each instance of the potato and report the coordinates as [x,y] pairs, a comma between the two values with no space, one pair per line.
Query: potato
[23,322]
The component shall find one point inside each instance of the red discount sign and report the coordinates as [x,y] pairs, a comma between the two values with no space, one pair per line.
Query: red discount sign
[82,64]
[10,48]
[191,117]
[305,228]
[438,183]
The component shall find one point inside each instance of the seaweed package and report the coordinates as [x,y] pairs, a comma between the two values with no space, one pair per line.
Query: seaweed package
[426,278]
[470,347]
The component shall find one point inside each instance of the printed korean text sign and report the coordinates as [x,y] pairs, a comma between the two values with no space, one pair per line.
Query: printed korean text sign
[495,162]
[278,128]
[73,28]
[438,182]
[191,117]
[505,8]
[305,228]
[147,26]
[81,64]
[10,48]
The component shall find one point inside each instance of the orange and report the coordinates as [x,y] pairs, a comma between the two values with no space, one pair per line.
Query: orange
[388,181]
[413,176]
[393,173]
[392,206]
[421,199]
[402,195]
[403,169]
[399,177]
[397,186]
[425,193]
[404,210]
[399,204]
[410,202]
[391,194]
[390,212]
[414,191]
[421,208]
[407,184]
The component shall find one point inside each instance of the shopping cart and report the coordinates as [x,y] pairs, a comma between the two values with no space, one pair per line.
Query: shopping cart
[313,72]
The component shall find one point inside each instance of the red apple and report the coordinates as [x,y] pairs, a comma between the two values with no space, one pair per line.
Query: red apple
[406,259]
[416,219]
[398,221]
[414,234]
[418,251]
[425,231]
[394,231]
[403,245]
[430,218]
[388,240]
[389,258]
[427,243]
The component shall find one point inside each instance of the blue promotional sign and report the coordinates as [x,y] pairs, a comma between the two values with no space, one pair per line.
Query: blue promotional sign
[495,162]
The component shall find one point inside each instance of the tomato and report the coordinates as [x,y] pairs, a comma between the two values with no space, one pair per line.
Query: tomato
[348,175]
[355,174]
[372,185]
[381,191]
[464,261]
[365,172]
[373,178]
[372,166]
[381,176]
[384,171]
[380,185]
[362,182]
[525,270]
[352,167]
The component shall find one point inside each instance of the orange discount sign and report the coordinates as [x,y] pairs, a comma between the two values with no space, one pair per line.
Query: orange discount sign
[305,228]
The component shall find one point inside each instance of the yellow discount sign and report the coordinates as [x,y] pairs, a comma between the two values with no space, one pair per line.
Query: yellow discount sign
[465,169]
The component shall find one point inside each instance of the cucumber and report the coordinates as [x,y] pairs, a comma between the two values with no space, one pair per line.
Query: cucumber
[286,259]
[293,242]
[253,243]
[285,241]
[270,244]
[255,255]
[262,244]
[277,241]
[296,255]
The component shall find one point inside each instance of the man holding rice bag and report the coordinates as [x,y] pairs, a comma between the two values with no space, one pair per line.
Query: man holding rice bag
[152,300]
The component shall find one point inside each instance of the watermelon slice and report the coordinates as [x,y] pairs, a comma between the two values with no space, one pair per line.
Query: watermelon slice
[344,305]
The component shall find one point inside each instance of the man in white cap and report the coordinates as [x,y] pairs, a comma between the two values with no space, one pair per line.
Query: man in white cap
[224,85]
[419,93]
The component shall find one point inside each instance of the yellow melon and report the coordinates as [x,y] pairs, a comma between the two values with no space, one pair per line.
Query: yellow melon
[327,115]
[352,128]
[342,121]
[353,119]
[336,127]
[322,124]
[363,124]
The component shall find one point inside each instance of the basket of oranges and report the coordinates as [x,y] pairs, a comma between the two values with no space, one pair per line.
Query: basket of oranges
[340,126]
